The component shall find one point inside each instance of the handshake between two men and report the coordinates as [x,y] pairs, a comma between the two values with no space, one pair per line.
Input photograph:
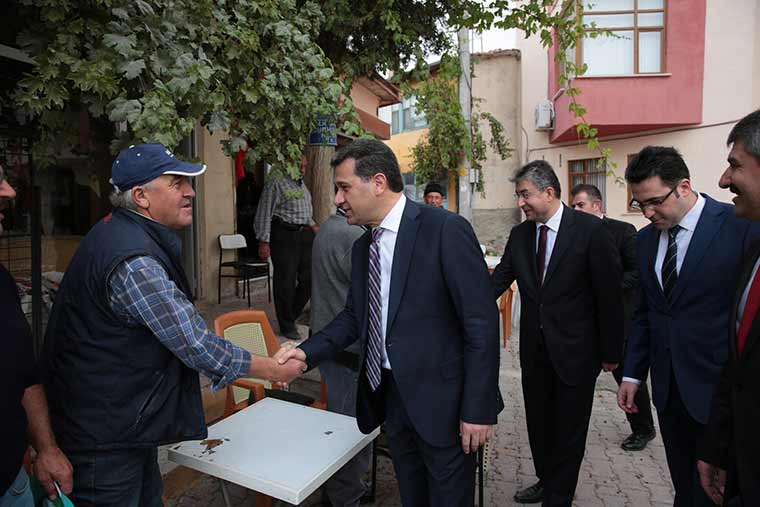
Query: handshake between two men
[287,364]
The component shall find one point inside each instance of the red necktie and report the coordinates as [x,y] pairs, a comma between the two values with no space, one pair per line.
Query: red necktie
[750,310]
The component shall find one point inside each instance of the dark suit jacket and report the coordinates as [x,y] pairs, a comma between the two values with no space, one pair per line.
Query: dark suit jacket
[689,335]
[579,307]
[442,334]
[624,235]
[731,439]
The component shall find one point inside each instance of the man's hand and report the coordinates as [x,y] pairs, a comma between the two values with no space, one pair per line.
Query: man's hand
[289,351]
[713,480]
[264,252]
[626,393]
[609,366]
[290,361]
[52,465]
[473,435]
[315,228]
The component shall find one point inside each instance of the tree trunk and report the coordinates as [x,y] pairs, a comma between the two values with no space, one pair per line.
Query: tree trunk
[319,180]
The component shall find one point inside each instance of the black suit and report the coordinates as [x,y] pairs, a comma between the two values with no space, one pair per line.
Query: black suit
[731,440]
[442,341]
[569,325]
[624,235]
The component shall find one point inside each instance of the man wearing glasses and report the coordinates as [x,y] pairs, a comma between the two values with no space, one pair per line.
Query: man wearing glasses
[689,259]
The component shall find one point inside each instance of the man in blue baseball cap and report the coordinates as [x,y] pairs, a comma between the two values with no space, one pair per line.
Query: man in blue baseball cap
[124,343]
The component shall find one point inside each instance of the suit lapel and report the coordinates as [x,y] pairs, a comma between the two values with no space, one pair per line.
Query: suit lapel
[561,244]
[649,244]
[709,224]
[754,330]
[402,257]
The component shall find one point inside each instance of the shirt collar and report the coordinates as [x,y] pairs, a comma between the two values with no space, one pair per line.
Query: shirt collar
[554,221]
[392,220]
[690,219]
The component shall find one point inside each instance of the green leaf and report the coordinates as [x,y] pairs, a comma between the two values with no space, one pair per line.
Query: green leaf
[133,69]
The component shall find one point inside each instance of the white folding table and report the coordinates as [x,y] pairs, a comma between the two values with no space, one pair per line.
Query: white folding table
[275,447]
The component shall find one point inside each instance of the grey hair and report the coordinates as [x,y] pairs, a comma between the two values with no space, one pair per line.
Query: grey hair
[123,198]
[541,174]
[747,131]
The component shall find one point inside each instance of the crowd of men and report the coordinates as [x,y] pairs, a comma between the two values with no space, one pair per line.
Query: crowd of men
[677,300]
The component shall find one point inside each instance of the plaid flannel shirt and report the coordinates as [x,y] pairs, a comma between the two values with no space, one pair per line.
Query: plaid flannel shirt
[141,293]
[285,198]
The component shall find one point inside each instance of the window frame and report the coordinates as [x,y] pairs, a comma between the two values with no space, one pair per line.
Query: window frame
[578,50]
[586,161]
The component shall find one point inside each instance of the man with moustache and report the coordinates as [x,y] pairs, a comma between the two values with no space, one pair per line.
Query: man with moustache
[689,261]
[571,325]
[124,343]
[729,464]
[23,404]
[588,199]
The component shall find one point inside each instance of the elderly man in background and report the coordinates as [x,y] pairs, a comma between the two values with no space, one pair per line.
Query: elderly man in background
[124,343]
[433,195]
[22,399]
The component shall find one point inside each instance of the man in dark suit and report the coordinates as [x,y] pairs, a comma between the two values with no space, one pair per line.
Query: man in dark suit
[689,261]
[571,325]
[731,442]
[588,198]
[421,307]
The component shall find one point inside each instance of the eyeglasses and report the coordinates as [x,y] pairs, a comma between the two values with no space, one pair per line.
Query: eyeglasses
[651,203]
[525,195]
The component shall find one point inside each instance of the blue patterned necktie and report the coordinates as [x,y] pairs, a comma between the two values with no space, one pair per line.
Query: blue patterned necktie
[669,271]
[375,328]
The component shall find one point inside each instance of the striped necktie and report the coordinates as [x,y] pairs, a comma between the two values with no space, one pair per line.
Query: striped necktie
[375,330]
[669,271]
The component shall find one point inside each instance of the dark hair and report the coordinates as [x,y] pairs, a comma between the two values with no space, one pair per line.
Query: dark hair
[371,157]
[591,190]
[433,187]
[747,132]
[541,174]
[663,161]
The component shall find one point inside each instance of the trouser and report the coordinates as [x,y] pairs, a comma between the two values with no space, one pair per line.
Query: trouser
[346,487]
[290,247]
[557,416]
[641,422]
[428,476]
[680,434]
[116,478]
[19,494]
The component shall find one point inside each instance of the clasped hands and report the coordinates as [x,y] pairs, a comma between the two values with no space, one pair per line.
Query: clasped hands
[288,363]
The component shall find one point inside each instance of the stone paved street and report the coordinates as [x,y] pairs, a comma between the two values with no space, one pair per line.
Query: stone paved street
[609,476]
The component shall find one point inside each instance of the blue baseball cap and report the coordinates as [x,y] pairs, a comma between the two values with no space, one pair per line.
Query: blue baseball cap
[141,163]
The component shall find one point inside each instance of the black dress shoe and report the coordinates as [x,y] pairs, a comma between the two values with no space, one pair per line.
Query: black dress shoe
[532,494]
[637,441]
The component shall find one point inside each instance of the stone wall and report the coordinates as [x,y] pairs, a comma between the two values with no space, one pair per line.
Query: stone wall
[492,227]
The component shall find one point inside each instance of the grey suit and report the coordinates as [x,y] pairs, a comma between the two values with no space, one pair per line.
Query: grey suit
[331,276]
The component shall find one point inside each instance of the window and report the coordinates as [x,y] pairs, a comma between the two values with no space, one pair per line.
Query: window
[628,189]
[591,171]
[403,117]
[638,42]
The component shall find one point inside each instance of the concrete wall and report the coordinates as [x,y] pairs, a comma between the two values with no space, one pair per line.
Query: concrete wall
[496,89]
[215,203]
[731,90]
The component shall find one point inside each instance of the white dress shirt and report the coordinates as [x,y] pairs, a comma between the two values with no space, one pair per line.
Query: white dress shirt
[390,225]
[551,235]
[688,224]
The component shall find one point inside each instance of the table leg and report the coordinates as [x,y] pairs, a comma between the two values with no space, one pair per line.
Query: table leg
[225,493]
